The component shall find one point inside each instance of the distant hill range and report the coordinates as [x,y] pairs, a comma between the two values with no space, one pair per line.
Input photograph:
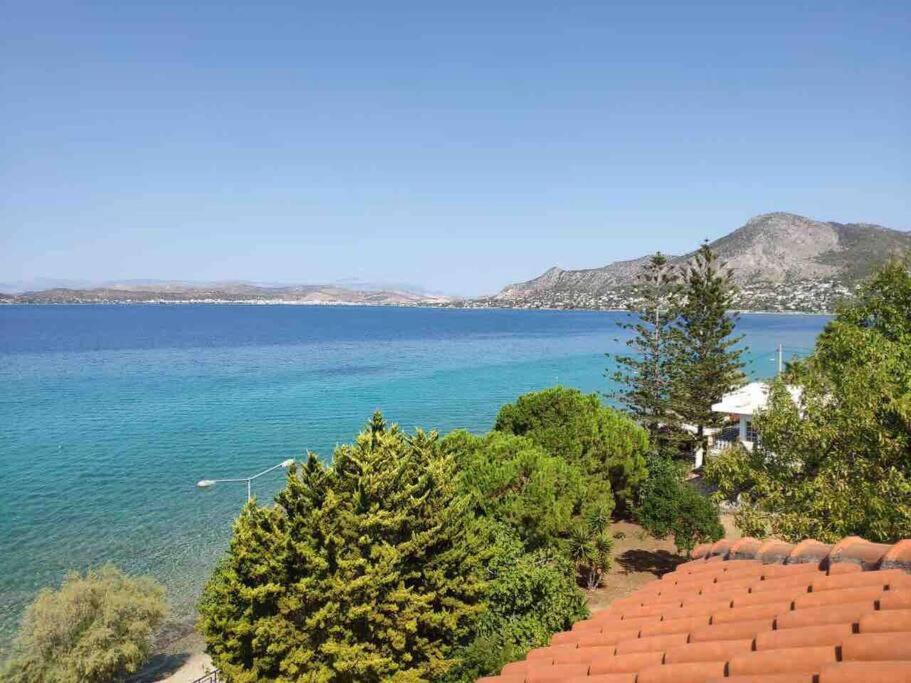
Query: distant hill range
[782,262]
[223,292]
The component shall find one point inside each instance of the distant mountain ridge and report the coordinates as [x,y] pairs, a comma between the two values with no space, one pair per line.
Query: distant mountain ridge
[782,261]
[222,292]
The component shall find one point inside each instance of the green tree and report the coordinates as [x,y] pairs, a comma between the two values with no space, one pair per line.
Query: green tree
[836,460]
[531,595]
[645,375]
[513,480]
[602,442]
[707,361]
[670,506]
[372,569]
[96,628]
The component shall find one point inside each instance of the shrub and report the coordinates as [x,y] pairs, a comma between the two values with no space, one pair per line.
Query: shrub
[530,596]
[590,548]
[602,442]
[96,628]
[730,472]
[373,569]
[513,480]
[668,505]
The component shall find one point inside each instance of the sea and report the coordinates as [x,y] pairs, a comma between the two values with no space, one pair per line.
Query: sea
[111,414]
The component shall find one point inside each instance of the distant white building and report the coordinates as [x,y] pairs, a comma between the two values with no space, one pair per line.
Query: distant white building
[741,405]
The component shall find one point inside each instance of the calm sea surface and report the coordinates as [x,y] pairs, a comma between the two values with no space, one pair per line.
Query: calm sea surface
[110,414]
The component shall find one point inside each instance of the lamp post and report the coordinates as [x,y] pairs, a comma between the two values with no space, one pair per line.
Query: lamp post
[208,483]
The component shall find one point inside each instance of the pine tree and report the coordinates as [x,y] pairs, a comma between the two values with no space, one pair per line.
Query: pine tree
[645,374]
[366,571]
[706,360]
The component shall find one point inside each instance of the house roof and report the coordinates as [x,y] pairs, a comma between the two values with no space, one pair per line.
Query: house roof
[748,399]
[747,611]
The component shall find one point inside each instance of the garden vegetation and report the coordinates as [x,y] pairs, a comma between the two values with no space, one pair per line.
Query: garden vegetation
[836,461]
[415,558]
[96,628]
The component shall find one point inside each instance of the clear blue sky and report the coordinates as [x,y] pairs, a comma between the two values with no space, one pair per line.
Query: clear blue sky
[456,145]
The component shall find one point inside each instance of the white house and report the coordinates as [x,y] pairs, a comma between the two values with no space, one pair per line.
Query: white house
[743,403]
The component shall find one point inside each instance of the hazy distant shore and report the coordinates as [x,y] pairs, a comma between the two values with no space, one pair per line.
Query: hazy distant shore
[452,305]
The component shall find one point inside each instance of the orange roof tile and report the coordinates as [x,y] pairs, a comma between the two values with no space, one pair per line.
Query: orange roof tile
[747,611]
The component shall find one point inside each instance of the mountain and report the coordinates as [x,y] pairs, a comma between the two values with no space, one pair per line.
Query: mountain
[782,262]
[221,292]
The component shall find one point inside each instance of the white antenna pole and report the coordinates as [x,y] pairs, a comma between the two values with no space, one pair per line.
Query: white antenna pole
[780,359]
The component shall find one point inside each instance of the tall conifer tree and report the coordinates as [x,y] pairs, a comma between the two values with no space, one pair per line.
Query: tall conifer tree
[707,361]
[369,570]
[646,373]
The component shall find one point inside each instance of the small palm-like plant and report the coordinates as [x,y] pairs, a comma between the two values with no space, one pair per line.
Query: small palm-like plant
[590,547]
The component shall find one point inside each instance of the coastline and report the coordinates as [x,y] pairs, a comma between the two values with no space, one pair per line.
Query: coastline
[354,304]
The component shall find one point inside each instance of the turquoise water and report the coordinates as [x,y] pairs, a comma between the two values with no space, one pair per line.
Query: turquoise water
[110,414]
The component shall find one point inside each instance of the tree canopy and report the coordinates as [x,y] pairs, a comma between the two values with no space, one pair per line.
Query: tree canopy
[410,558]
[645,375]
[837,461]
[706,357]
[369,570]
[96,628]
[604,443]
[513,480]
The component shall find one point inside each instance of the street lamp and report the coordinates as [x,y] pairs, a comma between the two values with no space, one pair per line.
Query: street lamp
[208,483]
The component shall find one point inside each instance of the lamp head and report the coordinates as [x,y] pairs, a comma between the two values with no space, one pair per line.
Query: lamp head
[205,483]
[287,463]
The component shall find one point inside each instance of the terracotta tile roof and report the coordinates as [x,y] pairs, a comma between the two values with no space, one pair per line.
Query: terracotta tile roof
[747,611]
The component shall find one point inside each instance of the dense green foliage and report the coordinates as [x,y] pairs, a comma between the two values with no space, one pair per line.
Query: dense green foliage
[372,569]
[707,362]
[513,480]
[411,558]
[668,505]
[530,596]
[602,442]
[645,376]
[837,461]
[684,355]
[96,628]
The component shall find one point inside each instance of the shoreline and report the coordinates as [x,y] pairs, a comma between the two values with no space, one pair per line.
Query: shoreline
[351,304]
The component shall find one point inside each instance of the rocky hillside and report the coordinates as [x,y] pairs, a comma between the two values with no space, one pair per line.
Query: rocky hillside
[223,293]
[783,262]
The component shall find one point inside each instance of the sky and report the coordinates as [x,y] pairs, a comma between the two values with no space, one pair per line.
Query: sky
[457,146]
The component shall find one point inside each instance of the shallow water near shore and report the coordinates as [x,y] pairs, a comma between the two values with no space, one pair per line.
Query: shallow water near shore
[109,415]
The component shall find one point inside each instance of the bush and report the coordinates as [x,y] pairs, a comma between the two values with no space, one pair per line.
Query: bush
[602,442]
[730,472]
[373,569]
[668,505]
[530,597]
[590,548]
[513,480]
[96,628]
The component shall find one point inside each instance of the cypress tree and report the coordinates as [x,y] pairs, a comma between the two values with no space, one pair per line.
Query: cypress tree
[368,570]
[645,375]
[706,362]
